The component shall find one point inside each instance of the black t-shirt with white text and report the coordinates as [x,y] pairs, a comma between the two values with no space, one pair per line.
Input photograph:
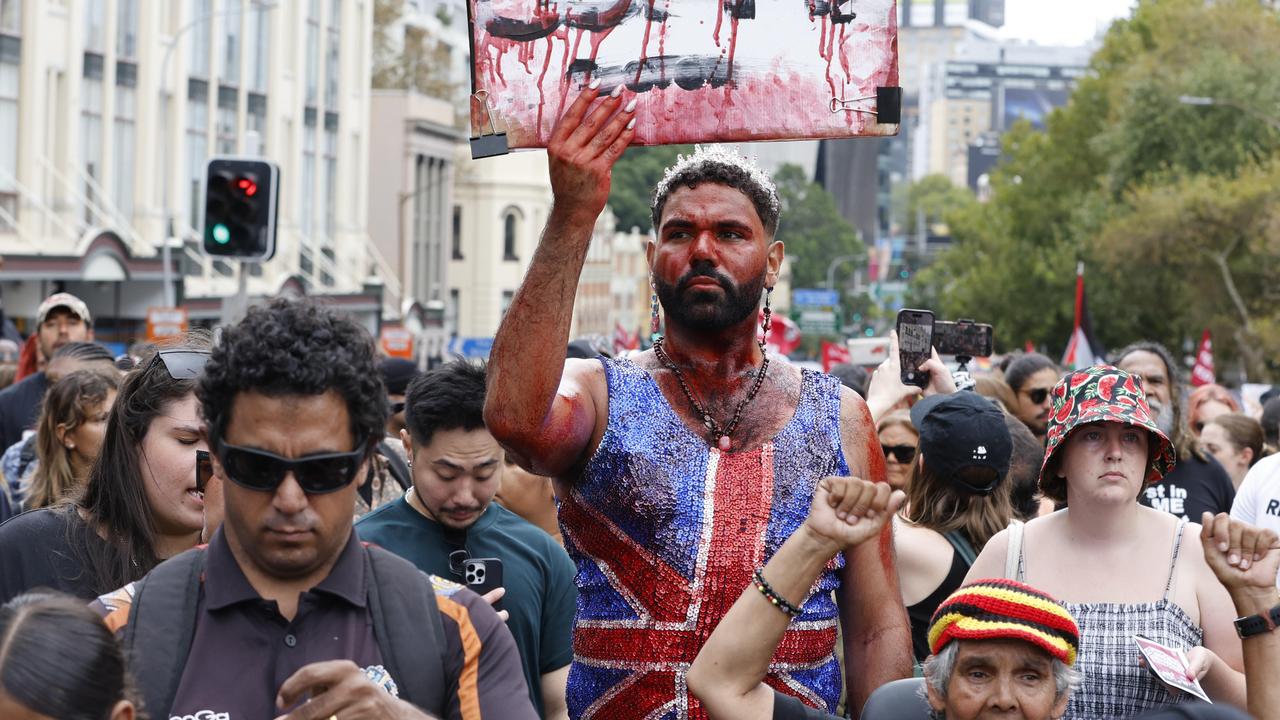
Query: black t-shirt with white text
[1195,486]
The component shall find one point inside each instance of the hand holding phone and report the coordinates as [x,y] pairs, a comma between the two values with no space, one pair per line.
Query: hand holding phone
[915,345]
[482,575]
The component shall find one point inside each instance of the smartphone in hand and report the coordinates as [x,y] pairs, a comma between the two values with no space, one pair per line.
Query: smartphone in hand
[482,575]
[915,345]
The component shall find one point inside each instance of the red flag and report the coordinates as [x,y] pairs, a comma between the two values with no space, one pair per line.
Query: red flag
[1202,373]
[784,335]
[623,340]
[1082,350]
[833,354]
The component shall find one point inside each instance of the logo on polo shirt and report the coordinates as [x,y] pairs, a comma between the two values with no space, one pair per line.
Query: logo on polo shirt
[203,715]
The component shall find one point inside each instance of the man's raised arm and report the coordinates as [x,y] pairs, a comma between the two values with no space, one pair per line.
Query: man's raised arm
[542,418]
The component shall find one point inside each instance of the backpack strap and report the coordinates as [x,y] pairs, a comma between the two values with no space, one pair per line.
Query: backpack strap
[398,468]
[962,546]
[162,622]
[408,629]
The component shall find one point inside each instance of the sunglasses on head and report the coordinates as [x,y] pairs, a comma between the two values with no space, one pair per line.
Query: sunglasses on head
[902,453]
[182,364]
[1038,395]
[263,471]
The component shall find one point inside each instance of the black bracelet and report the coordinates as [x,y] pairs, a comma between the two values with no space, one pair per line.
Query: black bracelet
[772,596]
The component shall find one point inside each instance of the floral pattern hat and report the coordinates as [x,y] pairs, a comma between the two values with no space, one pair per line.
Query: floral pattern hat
[1103,393]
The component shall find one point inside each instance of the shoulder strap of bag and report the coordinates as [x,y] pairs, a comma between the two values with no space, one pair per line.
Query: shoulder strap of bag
[962,546]
[408,629]
[162,621]
[396,464]
[1013,556]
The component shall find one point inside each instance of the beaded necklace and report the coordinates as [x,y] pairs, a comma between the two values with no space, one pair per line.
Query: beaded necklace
[719,436]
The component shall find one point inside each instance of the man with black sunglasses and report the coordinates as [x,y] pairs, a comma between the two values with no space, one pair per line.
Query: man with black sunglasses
[286,613]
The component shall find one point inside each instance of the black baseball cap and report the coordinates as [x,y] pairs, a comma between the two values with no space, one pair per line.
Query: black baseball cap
[963,430]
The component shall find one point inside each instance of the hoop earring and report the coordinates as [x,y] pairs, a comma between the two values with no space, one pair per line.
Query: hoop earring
[767,323]
[654,322]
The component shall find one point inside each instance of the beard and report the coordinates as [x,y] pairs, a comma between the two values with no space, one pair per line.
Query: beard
[704,309]
[1164,417]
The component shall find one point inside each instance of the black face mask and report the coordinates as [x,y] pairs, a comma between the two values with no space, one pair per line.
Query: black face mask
[698,311]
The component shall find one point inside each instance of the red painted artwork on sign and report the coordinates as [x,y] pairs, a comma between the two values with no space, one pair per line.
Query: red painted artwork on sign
[701,70]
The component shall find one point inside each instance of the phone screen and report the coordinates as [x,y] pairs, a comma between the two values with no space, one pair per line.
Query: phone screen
[915,344]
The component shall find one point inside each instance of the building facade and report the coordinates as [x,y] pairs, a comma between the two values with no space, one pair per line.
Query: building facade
[109,110]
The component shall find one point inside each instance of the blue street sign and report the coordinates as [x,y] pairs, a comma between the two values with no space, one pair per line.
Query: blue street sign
[476,347]
[809,297]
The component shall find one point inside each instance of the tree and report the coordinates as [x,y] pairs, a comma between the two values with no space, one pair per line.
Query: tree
[1109,182]
[634,176]
[1222,233]
[932,198]
[413,61]
[812,228]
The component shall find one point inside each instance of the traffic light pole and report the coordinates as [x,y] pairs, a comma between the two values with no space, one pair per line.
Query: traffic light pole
[166,255]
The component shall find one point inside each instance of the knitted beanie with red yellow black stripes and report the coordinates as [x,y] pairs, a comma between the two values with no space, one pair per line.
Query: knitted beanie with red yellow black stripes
[1000,609]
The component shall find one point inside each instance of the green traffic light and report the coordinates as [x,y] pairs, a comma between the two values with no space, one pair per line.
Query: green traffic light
[869,332]
[221,234]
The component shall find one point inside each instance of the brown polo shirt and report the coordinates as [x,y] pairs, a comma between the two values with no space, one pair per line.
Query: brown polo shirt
[243,649]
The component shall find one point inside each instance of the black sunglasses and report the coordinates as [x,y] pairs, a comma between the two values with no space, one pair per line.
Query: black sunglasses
[397,408]
[182,364]
[902,453]
[1038,395]
[263,471]
[204,470]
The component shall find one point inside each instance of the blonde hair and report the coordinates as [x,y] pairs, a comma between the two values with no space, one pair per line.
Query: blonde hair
[899,418]
[67,404]
[1244,432]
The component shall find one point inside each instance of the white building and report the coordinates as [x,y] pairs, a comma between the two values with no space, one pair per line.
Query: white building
[109,110]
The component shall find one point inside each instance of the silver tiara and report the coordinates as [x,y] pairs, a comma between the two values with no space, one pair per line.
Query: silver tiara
[717,155]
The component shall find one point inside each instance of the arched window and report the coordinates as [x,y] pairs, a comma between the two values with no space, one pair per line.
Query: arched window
[510,223]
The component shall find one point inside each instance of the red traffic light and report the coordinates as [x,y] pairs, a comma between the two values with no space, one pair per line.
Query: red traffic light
[247,186]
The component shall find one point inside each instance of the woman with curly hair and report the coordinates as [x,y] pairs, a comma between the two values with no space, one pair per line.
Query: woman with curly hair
[69,434]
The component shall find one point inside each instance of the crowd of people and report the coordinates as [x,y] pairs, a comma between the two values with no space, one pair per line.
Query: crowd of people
[281,523]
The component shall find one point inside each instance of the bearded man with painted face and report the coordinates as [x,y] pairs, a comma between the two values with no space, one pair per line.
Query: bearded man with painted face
[682,470]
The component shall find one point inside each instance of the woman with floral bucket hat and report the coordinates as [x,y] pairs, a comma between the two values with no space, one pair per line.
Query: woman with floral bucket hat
[1120,568]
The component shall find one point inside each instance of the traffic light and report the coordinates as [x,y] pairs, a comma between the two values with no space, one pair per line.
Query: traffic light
[240,200]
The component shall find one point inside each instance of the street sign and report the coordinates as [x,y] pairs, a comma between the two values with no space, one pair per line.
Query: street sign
[164,323]
[802,298]
[819,322]
[478,347]
[397,342]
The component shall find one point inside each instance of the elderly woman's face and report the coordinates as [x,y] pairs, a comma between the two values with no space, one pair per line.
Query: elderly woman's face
[1000,679]
[1106,460]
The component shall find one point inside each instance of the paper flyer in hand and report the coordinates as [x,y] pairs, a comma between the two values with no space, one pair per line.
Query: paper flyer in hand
[1170,666]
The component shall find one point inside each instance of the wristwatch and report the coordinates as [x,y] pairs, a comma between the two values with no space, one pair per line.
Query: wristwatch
[1251,625]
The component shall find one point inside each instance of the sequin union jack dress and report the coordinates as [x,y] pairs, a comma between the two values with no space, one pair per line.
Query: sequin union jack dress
[666,531]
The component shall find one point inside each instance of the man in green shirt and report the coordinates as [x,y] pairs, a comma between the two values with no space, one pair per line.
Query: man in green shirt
[448,517]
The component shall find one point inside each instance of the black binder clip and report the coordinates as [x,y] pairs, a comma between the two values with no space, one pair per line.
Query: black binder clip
[495,143]
[888,109]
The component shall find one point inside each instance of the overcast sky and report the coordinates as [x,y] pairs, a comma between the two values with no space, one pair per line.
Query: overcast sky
[1061,22]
